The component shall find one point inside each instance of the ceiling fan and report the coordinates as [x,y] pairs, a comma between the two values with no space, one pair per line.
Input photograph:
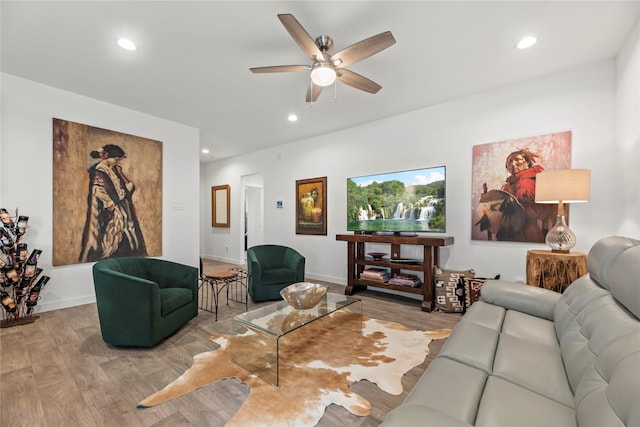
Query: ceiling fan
[327,66]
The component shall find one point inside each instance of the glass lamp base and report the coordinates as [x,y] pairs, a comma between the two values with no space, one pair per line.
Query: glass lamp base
[560,238]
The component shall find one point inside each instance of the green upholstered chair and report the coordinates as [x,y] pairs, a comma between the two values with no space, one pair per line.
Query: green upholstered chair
[141,301]
[271,268]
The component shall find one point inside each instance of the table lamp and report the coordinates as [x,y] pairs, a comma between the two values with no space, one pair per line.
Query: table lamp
[562,186]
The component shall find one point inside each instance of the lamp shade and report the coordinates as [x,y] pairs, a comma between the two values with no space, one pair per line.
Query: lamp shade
[563,185]
[323,74]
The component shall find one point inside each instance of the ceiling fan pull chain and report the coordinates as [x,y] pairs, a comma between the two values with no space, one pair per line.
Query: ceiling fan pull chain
[335,91]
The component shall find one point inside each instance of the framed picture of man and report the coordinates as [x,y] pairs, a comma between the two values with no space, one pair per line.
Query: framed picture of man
[503,187]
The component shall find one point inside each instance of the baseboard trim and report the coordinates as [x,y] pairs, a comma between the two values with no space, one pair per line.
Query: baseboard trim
[325,278]
[58,305]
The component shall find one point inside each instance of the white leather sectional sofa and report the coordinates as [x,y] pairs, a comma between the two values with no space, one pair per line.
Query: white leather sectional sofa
[526,356]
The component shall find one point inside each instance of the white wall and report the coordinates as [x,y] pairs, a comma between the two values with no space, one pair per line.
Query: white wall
[26,176]
[580,100]
[628,135]
[215,241]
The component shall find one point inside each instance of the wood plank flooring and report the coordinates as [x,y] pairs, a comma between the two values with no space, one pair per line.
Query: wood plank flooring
[58,371]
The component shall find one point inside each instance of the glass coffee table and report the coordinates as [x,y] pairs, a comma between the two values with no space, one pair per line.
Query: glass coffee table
[262,329]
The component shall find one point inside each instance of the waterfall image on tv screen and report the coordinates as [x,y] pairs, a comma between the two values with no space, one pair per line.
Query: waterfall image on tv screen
[406,201]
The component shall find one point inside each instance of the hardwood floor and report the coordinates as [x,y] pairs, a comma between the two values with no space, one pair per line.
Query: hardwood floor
[58,371]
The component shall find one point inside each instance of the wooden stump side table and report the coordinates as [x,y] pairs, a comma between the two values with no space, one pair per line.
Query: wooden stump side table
[553,270]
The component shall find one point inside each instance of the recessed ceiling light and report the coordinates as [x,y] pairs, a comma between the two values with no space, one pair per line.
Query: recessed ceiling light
[126,44]
[526,42]
[205,151]
[292,118]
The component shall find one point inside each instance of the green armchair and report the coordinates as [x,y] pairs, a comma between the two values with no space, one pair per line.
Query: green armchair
[141,301]
[272,268]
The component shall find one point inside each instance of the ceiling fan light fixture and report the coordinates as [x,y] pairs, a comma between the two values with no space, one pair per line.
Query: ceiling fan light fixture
[327,66]
[323,74]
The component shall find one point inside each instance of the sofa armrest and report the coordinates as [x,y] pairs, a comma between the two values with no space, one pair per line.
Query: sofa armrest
[120,297]
[293,260]
[253,265]
[532,300]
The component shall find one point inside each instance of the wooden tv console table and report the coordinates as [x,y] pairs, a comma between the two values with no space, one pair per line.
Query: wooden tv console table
[356,262]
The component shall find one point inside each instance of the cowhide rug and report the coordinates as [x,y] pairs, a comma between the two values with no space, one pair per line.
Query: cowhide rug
[318,364]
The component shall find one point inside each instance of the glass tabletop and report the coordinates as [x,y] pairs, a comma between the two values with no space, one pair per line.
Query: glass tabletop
[280,318]
[264,328]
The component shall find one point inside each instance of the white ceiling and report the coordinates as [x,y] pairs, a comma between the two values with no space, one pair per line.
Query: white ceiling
[193,58]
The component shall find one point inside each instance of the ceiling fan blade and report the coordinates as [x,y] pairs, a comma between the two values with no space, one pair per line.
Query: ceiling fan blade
[280,69]
[313,92]
[363,49]
[357,81]
[301,37]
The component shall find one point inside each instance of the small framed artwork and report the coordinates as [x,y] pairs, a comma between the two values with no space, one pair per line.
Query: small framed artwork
[279,204]
[220,195]
[311,206]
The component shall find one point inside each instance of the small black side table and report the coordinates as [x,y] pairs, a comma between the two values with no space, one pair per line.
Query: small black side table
[233,280]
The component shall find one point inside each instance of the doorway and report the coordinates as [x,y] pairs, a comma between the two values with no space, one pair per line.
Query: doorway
[253,206]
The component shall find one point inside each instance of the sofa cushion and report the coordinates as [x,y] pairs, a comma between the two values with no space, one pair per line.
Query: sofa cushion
[278,276]
[534,367]
[508,405]
[172,299]
[603,254]
[487,315]
[530,328]
[590,331]
[473,345]
[575,298]
[625,274]
[413,414]
[452,387]
[608,392]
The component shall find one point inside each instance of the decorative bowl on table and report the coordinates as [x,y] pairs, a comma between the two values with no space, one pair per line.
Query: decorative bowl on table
[377,255]
[304,295]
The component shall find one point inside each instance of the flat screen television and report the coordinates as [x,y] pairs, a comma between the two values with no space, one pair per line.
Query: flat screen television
[407,201]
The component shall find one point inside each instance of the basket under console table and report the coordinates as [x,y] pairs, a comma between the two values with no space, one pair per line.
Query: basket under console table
[356,262]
